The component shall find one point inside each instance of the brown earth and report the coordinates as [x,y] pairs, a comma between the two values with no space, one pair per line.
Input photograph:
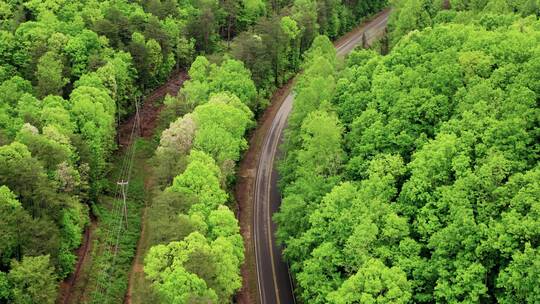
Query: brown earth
[65,292]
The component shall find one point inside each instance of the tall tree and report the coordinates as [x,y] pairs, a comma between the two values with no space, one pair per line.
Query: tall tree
[33,281]
[50,75]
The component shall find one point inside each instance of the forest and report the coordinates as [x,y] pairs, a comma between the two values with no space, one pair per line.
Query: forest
[413,176]
[71,72]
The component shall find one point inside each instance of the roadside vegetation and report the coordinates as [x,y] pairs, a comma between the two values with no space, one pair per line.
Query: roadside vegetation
[414,177]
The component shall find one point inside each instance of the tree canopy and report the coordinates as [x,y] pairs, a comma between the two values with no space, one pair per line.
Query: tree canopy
[423,184]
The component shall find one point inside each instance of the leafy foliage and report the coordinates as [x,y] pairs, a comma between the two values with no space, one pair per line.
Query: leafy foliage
[198,251]
[435,198]
[32,281]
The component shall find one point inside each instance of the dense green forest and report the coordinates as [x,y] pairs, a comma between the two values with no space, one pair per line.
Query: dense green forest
[72,71]
[414,177]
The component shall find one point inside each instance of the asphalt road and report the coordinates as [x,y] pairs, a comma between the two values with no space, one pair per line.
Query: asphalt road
[274,281]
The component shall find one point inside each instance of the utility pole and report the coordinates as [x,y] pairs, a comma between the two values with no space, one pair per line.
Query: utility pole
[123,185]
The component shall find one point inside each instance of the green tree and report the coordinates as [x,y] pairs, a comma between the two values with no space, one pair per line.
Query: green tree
[5,289]
[233,77]
[321,151]
[194,270]
[222,123]
[50,75]
[26,177]
[13,221]
[374,283]
[520,277]
[201,179]
[203,25]
[154,57]
[93,111]
[33,280]
[174,145]
[250,48]
[305,14]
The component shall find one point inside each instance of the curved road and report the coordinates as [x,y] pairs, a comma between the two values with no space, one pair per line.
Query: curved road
[274,281]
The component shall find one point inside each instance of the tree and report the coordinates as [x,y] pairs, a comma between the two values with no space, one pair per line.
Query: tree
[233,77]
[305,14]
[174,145]
[411,15]
[438,203]
[249,48]
[196,89]
[93,111]
[55,114]
[183,47]
[118,75]
[52,148]
[167,219]
[13,221]
[194,270]
[201,179]
[219,143]
[222,223]
[520,277]
[78,50]
[139,52]
[321,151]
[374,283]
[203,25]
[231,9]
[28,108]
[25,176]
[33,280]
[5,289]
[207,79]
[50,75]
[154,57]
[251,10]
[222,123]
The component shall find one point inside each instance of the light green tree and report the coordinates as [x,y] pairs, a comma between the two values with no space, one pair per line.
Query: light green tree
[201,179]
[374,283]
[33,281]
[50,75]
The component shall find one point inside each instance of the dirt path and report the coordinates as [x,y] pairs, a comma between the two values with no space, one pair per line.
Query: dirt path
[138,261]
[137,268]
[67,285]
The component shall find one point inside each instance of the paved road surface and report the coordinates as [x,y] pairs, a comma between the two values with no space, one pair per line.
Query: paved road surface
[274,282]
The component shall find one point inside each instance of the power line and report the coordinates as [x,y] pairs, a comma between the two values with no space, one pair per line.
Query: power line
[120,208]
